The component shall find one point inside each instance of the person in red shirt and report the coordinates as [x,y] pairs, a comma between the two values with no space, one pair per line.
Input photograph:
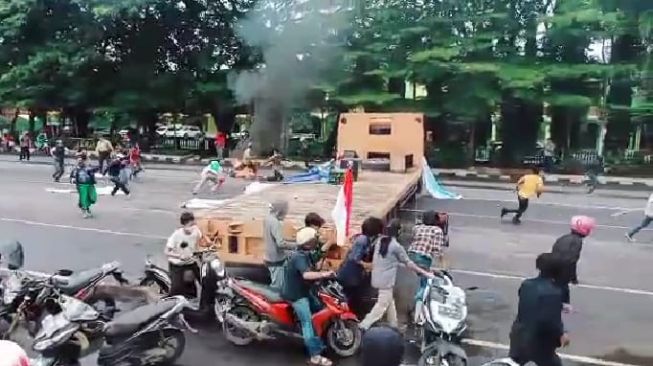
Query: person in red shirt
[135,159]
[220,143]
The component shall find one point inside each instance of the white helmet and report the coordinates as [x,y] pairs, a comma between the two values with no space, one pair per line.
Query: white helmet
[12,354]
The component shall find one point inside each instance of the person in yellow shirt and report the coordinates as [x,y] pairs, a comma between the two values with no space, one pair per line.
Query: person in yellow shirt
[528,186]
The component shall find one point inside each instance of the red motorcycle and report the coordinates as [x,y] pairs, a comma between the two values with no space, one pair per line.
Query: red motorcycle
[257,312]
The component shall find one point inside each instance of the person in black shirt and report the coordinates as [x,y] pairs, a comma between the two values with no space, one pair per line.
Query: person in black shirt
[538,329]
[59,154]
[114,169]
[299,272]
[353,274]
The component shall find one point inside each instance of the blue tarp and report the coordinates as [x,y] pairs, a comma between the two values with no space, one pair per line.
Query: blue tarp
[319,173]
[433,187]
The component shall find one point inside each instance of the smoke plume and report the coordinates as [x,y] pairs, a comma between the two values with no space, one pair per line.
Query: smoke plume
[296,41]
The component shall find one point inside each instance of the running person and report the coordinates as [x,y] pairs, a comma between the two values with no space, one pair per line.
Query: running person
[528,186]
[211,173]
[59,154]
[648,218]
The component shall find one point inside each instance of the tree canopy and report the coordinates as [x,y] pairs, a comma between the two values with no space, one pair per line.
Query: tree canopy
[515,60]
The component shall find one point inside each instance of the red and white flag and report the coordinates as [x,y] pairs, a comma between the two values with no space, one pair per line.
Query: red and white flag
[342,211]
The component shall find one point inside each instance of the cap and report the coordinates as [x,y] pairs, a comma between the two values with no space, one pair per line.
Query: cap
[215,166]
[304,235]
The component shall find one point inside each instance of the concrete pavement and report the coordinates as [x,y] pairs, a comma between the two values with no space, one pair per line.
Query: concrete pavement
[613,304]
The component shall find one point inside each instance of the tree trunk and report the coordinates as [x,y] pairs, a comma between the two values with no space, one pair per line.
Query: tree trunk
[14,119]
[81,117]
[30,127]
[520,126]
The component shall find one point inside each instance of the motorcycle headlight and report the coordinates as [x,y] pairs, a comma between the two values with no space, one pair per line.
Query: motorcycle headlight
[218,267]
[452,312]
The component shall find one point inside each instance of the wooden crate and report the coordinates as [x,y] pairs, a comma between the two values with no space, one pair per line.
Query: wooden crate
[239,223]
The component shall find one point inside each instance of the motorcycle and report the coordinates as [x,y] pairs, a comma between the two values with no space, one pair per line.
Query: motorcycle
[66,330]
[148,335]
[17,287]
[441,322]
[83,285]
[257,312]
[210,283]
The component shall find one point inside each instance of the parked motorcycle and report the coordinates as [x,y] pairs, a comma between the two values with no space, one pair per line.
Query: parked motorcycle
[83,285]
[257,312]
[148,335]
[441,322]
[66,330]
[210,283]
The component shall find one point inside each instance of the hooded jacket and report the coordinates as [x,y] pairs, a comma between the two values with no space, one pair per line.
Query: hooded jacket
[568,247]
[275,244]
[538,326]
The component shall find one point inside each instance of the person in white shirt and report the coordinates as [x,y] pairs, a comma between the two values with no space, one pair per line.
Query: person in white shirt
[648,218]
[12,355]
[180,249]
[211,173]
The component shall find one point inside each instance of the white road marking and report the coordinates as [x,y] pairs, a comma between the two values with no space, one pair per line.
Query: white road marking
[561,204]
[553,222]
[587,286]
[575,358]
[78,228]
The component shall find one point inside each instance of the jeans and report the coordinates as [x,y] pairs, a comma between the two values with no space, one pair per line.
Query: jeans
[208,177]
[118,185]
[548,164]
[58,170]
[423,262]
[385,303]
[102,157]
[646,222]
[24,153]
[276,277]
[313,343]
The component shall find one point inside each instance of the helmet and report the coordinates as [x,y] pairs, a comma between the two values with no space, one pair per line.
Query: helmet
[305,235]
[12,354]
[582,225]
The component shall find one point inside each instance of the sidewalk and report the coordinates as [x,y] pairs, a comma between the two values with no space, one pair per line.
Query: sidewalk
[494,175]
[478,174]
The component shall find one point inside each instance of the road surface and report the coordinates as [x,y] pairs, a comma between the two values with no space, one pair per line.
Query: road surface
[613,304]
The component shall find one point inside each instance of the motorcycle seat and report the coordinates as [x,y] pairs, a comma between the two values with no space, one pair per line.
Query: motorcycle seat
[130,322]
[77,280]
[268,292]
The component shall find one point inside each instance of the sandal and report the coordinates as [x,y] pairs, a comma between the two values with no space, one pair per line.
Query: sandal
[320,361]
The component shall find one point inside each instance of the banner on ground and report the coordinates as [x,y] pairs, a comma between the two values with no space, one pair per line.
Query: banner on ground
[433,187]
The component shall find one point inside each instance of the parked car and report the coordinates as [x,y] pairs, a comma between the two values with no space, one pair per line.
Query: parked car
[162,130]
[185,131]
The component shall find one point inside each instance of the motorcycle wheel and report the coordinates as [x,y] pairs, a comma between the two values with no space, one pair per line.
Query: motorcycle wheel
[431,357]
[344,337]
[156,286]
[239,337]
[174,343]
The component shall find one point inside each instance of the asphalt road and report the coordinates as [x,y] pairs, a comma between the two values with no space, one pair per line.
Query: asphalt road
[613,304]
